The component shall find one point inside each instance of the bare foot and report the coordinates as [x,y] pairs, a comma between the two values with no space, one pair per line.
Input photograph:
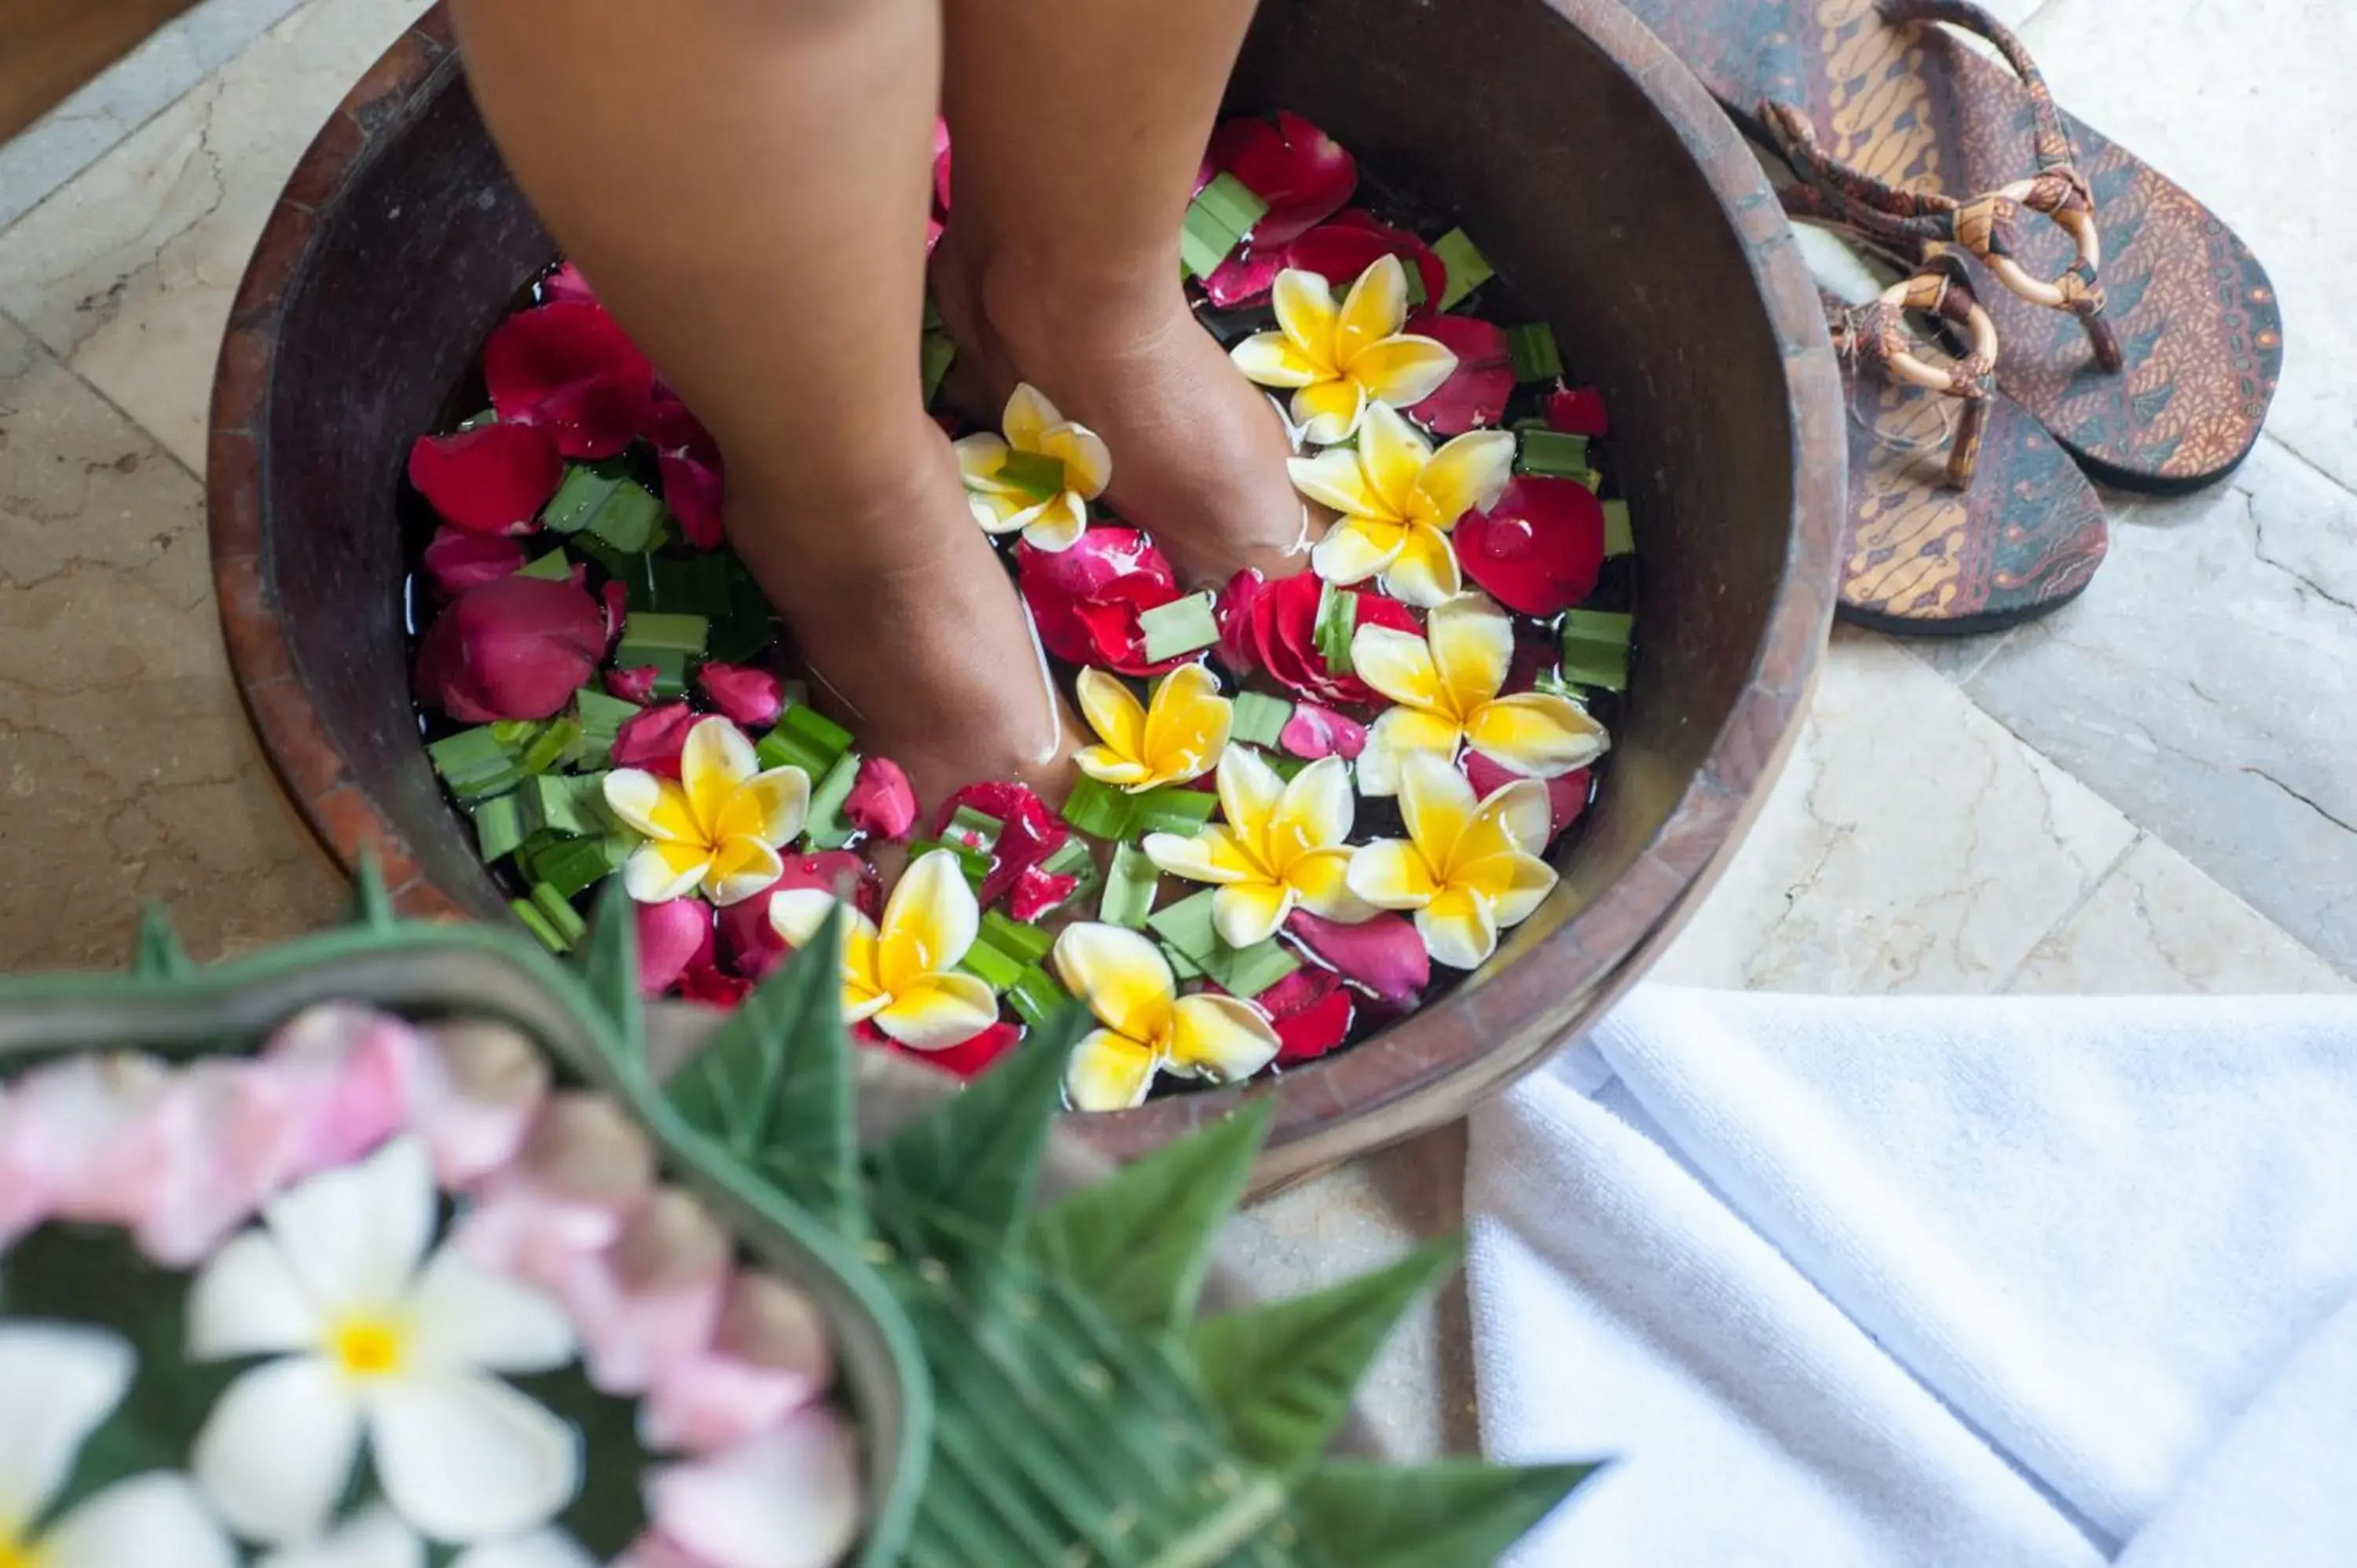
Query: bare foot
[1199,453]
[913,637]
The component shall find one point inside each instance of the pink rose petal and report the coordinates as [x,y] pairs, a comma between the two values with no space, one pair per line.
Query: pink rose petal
[712,986]
[235,1129]
[457,560]
[516,648]
[1245,278]
[1085,600]
[672,939]
[87,1138]
[1312,732]
[1384,954]
[882,802]
[633,683]
[478,1088]
[1038,890]
[648,1304]
[1031,832]
[583,1171]
[788,1499]
[352,1069]
[652,739]
[753,698]
[769,1358]
[570,368]
[493,478]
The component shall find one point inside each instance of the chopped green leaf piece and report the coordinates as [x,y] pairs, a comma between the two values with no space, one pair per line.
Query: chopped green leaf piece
[1235,204]
[560,913]
[973,864]
[1595,649]
[628,519]
[1017,939]
[670,667]
[997,969]
[602,718]
[573,866]
[1416,294]
[820,733]
[470,755]
[647,630]
[1552,453]
[1186,925]
[1205,240]
[537,923]
[1338,619]
[1248,972]
[476,421]
[1172,808]
[1098,809]
[549,747]
[982,826]
[1037,996]
[1284,764]
[1469,269]
[1593,481]
[826,824]
[936,353]
[1182,625]
[1617,540]
[1129,888]
[1258,719]
[1036,474]
[552,566]
[1072,858]
[1182,968]
[1533,349]
[498,826]
[573,805]
[584,490]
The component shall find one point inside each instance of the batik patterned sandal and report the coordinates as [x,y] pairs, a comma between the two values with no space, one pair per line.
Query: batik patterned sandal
[2158,374]
[2004,528]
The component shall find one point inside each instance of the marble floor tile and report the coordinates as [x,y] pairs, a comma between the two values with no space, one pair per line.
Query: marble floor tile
[126,770]
[2158,926]
[2247,105]
[127,273]
[74,134]
[1911,845]
[2202,687]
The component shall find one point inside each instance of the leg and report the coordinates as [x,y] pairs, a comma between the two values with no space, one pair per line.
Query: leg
[1077,127]
[749,197]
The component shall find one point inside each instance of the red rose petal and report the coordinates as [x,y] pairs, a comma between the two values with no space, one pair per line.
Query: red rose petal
[652,739]
[1245,278]
[942,163]
[1232,611]
[674,937]
[566,286]
[1474,396]
[1567,795]
[881,801]
[633,683]
[713,988]
[1540,549]
[1085,600]
[750,946]
[1339,251]
[1302,173]
[1029,833]
[1038,890]
[493,478]
[515,647]
[1384,954]
[752,698]
[457,560]
[1577,411]
[1317,1028]
[613,602]
[571,368]
[971,1057]
[1282,619]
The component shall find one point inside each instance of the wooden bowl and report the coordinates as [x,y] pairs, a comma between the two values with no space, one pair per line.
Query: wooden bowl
[1598,176]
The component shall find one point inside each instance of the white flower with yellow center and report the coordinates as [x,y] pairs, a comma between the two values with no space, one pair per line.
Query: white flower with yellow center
[1399,499]
[1446,683]
[1148,1028]
[1339,359]
[1281,847]
[376,1538]
[1467,869]
[718,828]
[372,1338]
[1178,736]
[1039,477]
[904,975]
[58,1383]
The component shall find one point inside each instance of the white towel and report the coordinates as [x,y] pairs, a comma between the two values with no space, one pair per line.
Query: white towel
[1908,1282]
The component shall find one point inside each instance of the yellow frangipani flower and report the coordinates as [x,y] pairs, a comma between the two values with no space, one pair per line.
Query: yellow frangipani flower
[1178,737]
[904,975]
[1399,499]
[1446,683]
[1338,358]
[1469,869]
[1148,1028]
[1281,847]
[1039,477]
[719,828]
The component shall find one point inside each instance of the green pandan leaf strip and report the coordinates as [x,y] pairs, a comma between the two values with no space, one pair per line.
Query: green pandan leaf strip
[608,962]
[371,904]
[979,1154]
[157,952]
[772,1084]
[1140,1242]
[1414,1515]
[1282,1375]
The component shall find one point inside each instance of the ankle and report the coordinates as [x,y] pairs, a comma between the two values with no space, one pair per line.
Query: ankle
[1038,301]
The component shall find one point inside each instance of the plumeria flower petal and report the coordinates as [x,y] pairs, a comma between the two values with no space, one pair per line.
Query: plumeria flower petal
[1398,501]
[1468,868]
[1052,513]
[379,1342]
[378,1539]
[718,828]
[1341,361]
[1178,736]
[1446,684]
[902,973]
[1147,1025]
[58,1383]
[1282,847]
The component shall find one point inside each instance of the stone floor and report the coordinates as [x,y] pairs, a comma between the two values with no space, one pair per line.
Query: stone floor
[2155,791]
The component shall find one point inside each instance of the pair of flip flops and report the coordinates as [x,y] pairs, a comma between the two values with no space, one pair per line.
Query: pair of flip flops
[2099,320]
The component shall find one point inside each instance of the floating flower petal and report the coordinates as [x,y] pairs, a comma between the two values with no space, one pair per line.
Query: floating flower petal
[1148,1028]
[718,828]
[1179,737]
[902,972]
[493,478]
[1468,868]
[515,647]
[1283,846]
[1538,547]
[1398,501]
[1301,172]
[571,368]
[1475,393]
[1337,360]
[1038,479]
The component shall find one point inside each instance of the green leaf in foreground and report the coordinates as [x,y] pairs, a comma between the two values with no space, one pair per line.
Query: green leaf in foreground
[1454,1511]
[157,953]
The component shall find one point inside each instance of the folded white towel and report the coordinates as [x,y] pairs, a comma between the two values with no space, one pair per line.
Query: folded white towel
[1924,1282]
